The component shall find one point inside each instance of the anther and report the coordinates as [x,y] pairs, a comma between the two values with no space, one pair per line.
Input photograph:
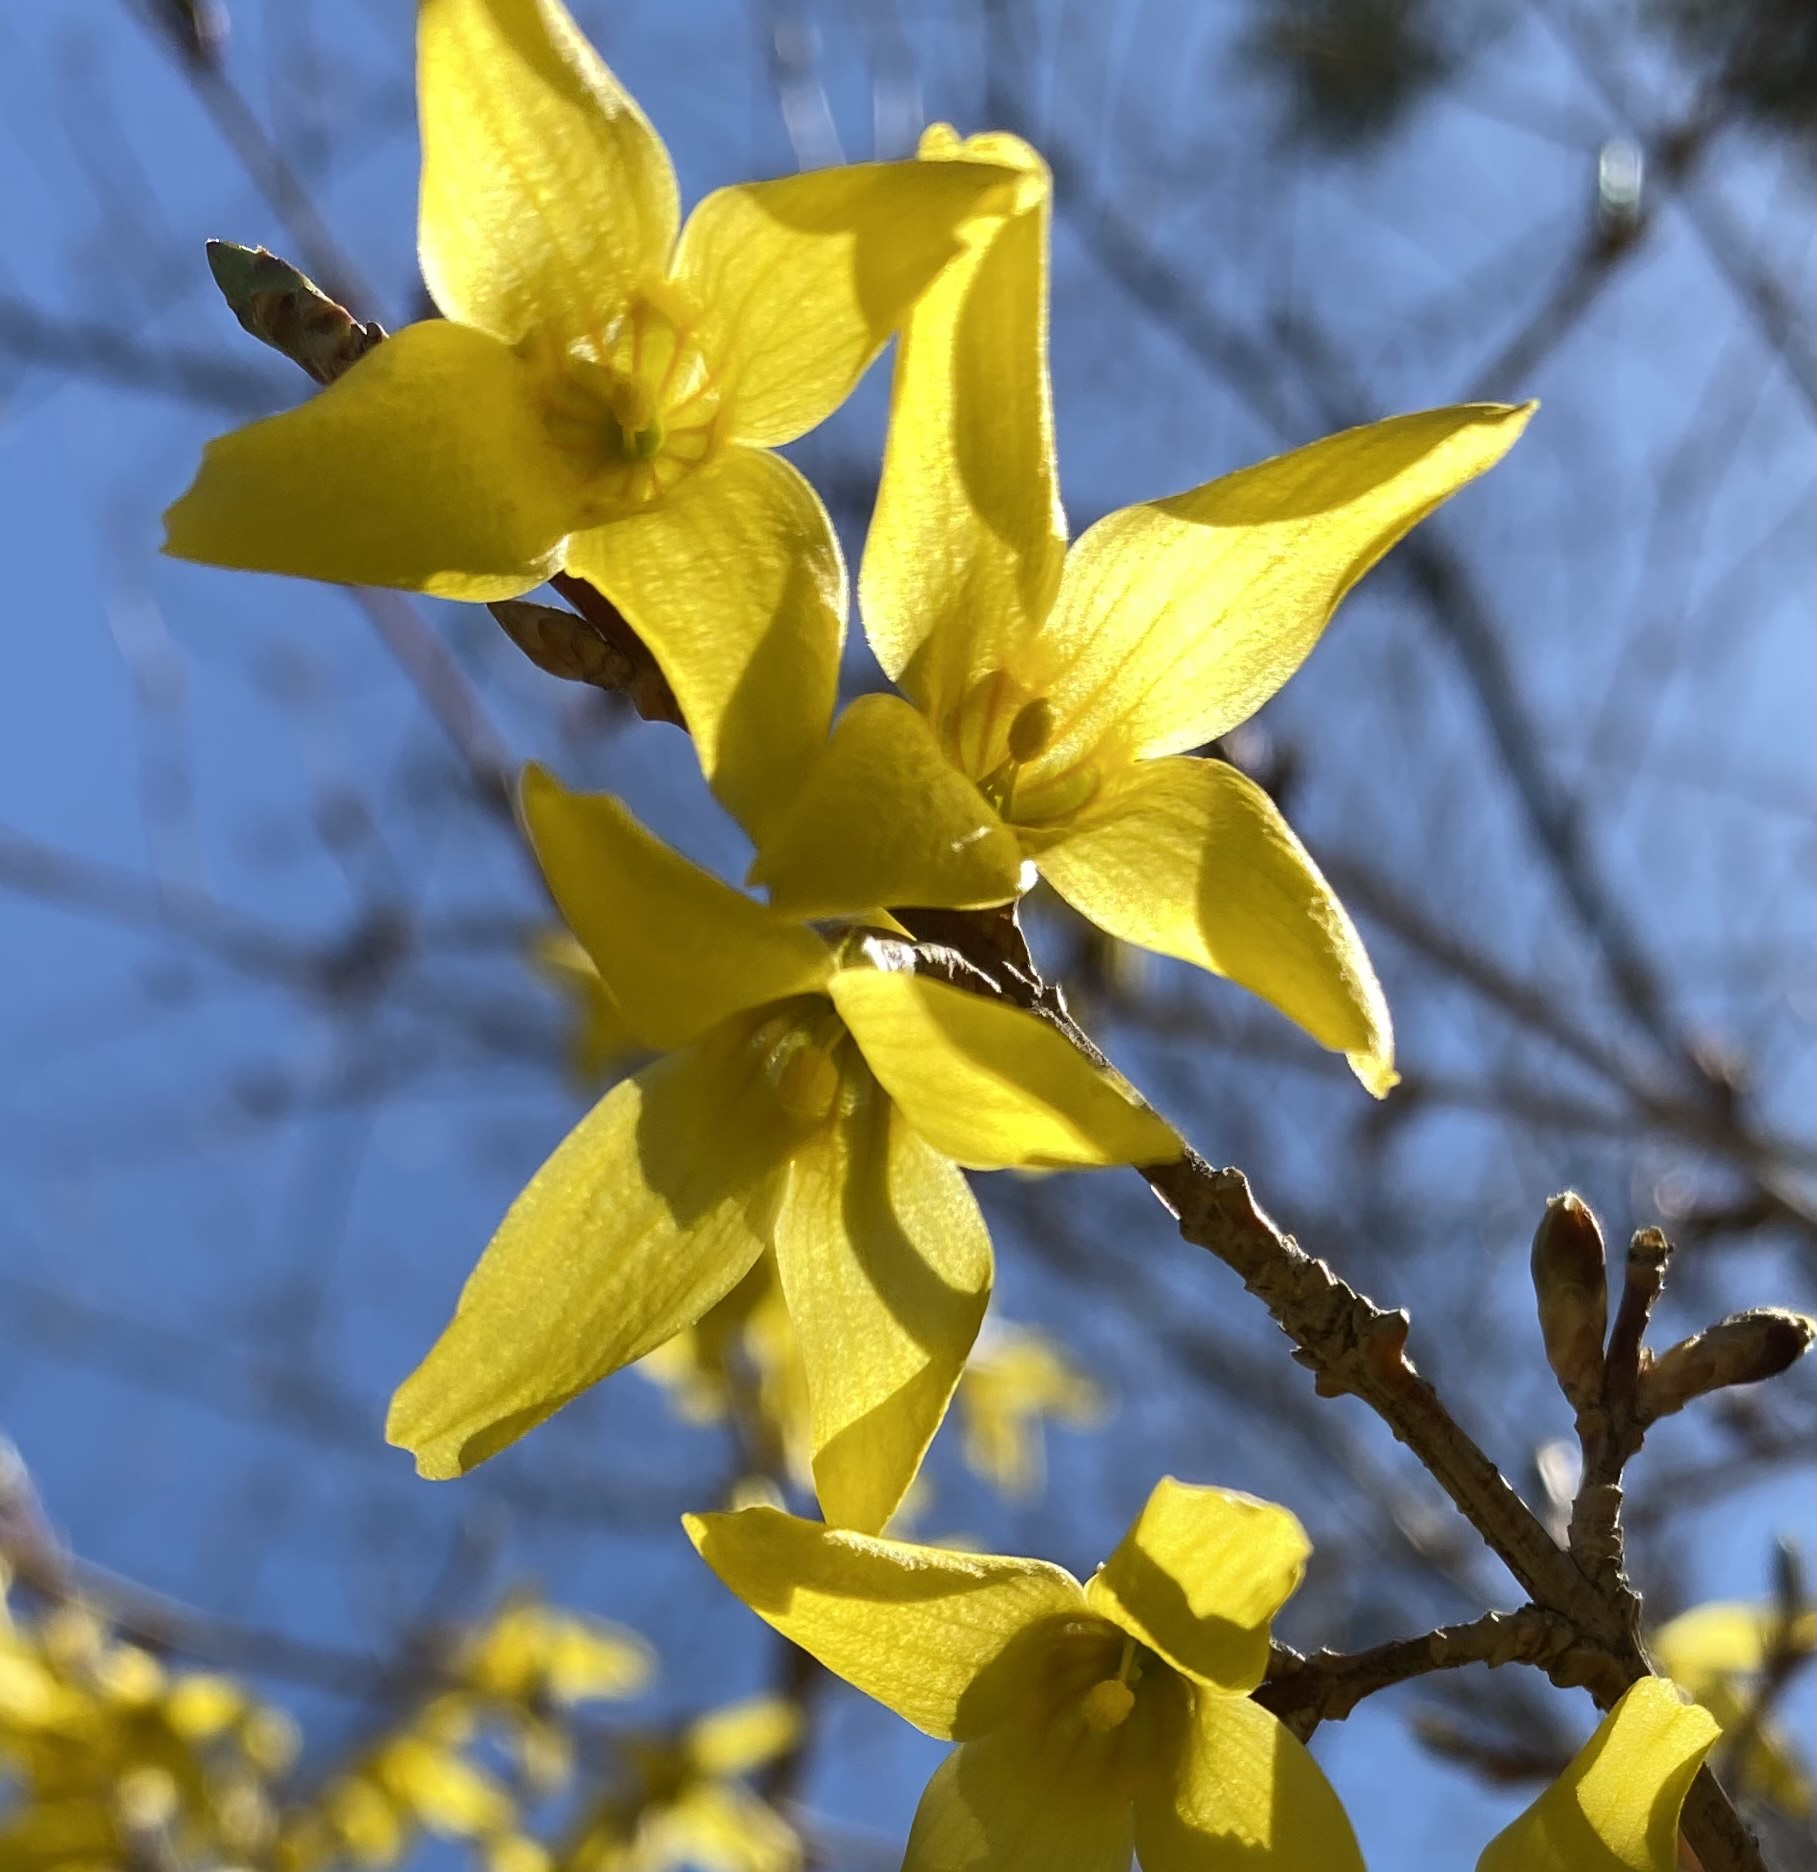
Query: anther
[1106,1705]
[1032,729]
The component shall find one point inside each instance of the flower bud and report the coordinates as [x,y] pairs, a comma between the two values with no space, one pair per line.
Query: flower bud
[1742,1349]
[1570,1281]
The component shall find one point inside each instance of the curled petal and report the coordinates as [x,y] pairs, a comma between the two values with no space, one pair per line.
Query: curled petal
[425,467]
[886,1267]
[942,1638]
[546,196]
[1192,859]
[801,280]
[1198,1578]
[1616,1806]
[964,551]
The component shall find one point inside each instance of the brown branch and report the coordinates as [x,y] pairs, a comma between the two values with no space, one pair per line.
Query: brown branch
[1328,1685]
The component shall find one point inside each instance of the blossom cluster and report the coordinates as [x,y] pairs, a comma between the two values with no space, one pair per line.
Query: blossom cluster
[601,399]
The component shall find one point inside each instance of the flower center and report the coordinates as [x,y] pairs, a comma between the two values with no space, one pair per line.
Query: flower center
[1105,1705]
[634,402]
[999,734]
[807,1061]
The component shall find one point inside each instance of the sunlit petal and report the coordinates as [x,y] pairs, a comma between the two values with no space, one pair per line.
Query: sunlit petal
[942,1638]
[886,818]
[1248,1798]
[965,546]
[1198,1577]
[546,196]
[1192,858]
[1616,1807]
[1179,619]
[988,1085]
[650,1210]
[425,467]
[886,1266]
[737,585]
[801,280]
[678,949]
[1016,1802]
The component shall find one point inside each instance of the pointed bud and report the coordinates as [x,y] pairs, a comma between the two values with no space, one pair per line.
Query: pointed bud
[1742,1349]
[287,310]
[1570,1281]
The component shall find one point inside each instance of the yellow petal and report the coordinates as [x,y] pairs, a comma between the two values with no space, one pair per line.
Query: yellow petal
[425,467]
[966,543]
[1616,1807]
[650,1210]
[737,585]
[678,949]
[1248,1798]
[988,1085]
[941,1638]
[800,281]
[886,1267]
[1179,619]
[1192,859]
[886,818]
[738,1737]
[1727,1638]
[1015,1802]
[1198,1577]
[546,196]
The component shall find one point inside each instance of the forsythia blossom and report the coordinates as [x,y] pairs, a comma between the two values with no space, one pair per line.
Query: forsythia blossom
[1091,1720]
[809,1102]
[605,388]
[1056,693]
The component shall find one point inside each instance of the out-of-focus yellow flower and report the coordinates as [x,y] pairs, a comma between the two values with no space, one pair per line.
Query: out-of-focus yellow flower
[809,1102]
[1092,1721]
[531,1661]
[741,1355]
[1616,1806]
[1718,1652]
[109,1760]
[1015,1380]
[685,1805]
[606,387]
[418,1778]
[1057,694]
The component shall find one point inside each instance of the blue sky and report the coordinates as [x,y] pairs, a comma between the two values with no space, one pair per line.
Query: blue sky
[204,1201]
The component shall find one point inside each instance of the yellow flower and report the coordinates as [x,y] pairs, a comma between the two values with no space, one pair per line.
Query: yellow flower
[1092,1720]
[1055,693]
[807,1102]
[1015,1379]
[605,388]
[1616,1807]
[686,1806]
[1716,1652]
